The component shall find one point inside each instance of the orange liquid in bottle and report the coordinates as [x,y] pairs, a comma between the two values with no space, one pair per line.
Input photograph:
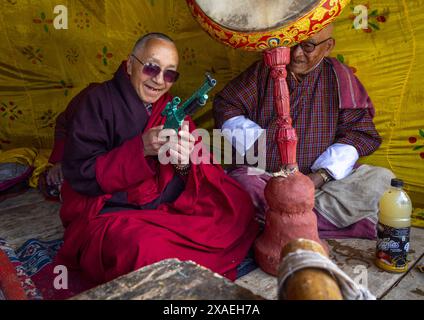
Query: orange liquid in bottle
[394,225]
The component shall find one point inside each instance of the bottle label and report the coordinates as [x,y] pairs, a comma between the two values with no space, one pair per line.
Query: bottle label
[392,248]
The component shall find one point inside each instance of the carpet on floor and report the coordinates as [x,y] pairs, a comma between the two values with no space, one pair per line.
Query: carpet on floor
[28,273]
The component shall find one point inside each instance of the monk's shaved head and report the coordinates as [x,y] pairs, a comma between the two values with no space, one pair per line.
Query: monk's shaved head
[141,43]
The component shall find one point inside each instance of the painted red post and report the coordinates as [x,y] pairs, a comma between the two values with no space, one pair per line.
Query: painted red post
[289,194]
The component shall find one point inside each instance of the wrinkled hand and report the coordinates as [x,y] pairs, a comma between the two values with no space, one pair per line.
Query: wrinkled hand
[316,179]
[55,175]
[152,142]
[180,145]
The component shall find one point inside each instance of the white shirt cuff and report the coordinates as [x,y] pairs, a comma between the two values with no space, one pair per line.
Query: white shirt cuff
[339,160]
[241,132]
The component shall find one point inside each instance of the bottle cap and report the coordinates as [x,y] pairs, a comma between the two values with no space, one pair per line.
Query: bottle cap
[398,183]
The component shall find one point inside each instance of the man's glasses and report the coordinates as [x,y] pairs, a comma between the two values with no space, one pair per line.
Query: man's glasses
[152,70]
[309,47]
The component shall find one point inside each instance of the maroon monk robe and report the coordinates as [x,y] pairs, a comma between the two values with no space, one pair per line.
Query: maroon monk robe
[62,122]
[211,222]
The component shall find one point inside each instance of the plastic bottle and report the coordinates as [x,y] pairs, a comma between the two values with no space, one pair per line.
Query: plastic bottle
[394,226]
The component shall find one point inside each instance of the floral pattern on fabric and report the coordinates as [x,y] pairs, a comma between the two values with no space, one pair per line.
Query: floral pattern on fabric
[42,68]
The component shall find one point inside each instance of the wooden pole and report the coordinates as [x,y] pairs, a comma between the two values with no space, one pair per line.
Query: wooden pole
[308,283]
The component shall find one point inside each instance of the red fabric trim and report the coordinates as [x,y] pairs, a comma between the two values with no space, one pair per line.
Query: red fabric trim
[9,282]
[352,94]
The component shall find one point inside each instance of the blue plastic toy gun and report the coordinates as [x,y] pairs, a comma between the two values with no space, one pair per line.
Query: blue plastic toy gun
[175,116]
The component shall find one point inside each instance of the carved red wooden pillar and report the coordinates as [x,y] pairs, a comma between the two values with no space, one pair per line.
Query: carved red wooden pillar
[277,59]
[289,194]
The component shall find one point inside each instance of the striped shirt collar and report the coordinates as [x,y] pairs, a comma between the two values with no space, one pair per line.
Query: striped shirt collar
[148,108]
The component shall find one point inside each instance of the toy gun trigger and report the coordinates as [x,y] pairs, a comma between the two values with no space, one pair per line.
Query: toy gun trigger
[171,105]
[170,112]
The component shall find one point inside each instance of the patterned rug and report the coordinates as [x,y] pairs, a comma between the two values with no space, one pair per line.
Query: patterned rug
[28,273]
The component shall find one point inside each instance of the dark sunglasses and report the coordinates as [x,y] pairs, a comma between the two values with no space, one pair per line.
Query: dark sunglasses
[309,47]
[152,70]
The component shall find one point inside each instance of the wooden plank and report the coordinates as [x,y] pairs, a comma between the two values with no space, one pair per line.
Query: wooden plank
[410,287]
[259,283]
[169,279]
[39,220]
[353,256]
[30,197]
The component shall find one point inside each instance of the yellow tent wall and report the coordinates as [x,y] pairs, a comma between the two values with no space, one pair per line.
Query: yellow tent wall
[42,68]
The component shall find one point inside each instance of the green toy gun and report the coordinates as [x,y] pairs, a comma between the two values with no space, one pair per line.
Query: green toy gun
[175,116]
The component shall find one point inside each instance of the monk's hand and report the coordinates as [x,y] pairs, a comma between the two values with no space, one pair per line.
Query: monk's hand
[316,179]
[55,175]
[152,141]
[182,147]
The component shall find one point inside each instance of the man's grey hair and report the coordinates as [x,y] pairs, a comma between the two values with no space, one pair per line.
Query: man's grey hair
[148,36]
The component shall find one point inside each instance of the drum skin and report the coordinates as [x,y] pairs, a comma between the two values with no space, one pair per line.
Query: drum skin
[288,34]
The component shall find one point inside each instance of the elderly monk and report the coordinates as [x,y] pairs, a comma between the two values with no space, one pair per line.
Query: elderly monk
[122,208]
[333,118]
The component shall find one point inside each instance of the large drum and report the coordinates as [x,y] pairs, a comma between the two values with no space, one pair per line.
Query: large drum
[256,25]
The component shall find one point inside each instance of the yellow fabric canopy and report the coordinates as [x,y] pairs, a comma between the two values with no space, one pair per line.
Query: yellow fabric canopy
[42,68]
